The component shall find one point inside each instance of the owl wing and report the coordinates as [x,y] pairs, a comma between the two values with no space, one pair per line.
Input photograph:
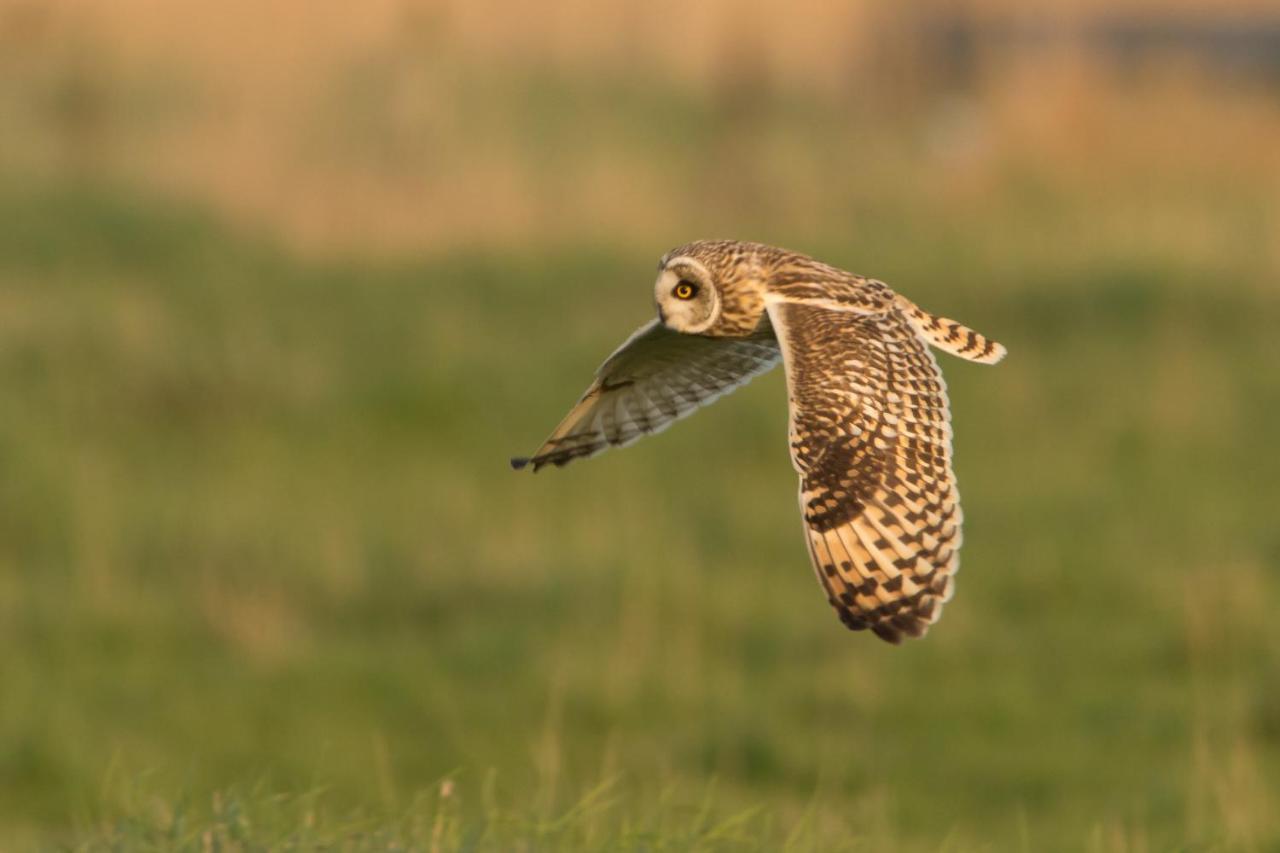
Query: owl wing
[871,439]
[657,377]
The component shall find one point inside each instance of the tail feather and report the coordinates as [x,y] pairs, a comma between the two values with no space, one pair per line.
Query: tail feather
[952,337]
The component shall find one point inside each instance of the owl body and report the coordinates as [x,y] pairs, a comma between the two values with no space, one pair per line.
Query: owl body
[870,431]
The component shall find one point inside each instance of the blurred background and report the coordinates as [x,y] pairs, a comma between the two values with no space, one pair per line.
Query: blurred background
[283,284]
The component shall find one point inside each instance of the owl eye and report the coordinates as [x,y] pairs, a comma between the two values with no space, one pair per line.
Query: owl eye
[685,290]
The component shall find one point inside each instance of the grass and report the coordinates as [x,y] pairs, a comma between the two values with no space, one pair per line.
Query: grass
[258,819]
[266,579]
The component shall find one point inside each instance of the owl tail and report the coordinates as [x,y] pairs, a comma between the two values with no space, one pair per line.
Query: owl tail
[952,337]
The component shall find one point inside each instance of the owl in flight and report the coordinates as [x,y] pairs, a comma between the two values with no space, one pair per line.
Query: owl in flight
[870,425]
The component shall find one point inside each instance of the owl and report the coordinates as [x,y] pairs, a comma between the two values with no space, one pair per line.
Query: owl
[870,425]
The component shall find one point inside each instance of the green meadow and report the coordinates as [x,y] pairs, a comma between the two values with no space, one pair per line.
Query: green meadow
[267,580]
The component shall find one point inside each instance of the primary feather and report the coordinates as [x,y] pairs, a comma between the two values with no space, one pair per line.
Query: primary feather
[657,377]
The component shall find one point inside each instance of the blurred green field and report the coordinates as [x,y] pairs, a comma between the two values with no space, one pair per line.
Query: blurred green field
[266,578]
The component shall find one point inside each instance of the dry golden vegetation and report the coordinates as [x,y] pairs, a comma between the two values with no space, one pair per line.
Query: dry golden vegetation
[398,125]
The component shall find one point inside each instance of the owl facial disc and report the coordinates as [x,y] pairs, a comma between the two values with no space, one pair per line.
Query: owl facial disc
[686,296]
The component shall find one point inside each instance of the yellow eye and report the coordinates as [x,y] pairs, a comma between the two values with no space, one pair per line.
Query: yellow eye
[685,290]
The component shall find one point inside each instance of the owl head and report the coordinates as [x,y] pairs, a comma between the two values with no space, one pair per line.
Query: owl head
[713,287]
[687,295]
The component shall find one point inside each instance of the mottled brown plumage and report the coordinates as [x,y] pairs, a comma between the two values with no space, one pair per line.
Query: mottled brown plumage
[870,424]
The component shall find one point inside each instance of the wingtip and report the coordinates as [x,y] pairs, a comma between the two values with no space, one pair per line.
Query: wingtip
[519,462]
[887,633]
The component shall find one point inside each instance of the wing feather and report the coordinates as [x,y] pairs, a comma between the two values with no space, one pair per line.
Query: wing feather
[871,440]
[655,378]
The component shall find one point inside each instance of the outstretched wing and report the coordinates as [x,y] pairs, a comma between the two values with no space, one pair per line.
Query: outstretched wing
[871,440]
[657,377]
